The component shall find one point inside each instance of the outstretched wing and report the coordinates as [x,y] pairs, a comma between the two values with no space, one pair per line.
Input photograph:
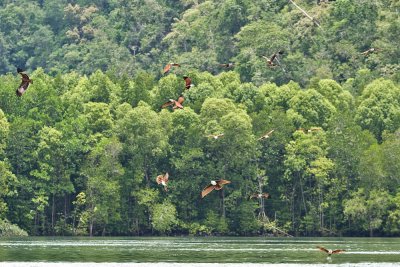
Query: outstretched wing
[266,195]
[336,251]
[167,68]
[323,249]
[178,104]
[159,179]
[207,190]
[167,104]
[222,182]
[255,195]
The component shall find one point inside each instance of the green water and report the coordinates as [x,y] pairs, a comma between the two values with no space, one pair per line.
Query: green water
[199,250]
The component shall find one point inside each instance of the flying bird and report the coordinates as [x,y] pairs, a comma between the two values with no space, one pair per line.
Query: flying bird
[371,50]
[215,136]
[176,103]
[24,83]
[188,82]
[330,251]
[214,185]
[163,179]
[266,135]
[168,67]
[227,65]
[271,60]
[262,195]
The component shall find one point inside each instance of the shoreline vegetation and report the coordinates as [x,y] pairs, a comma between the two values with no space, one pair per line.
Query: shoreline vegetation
[297,102]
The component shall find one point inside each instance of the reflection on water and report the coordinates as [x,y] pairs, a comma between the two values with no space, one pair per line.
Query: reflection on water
[163,264]
[202,252]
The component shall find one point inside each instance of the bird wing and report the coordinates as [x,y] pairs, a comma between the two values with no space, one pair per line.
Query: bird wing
[207,190]
[167,68]
[222,182]
[273,57]
[159,179]
[166,104]
[255,195]
[266,195]
[188,82]
[336,251]
[323,249]
[175,64]
[22,88]
[270,132]
[25,77]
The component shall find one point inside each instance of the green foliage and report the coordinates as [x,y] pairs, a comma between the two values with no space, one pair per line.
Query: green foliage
[81,149]
[11,230]
[163,216]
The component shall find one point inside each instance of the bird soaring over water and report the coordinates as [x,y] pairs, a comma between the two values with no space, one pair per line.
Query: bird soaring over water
[330,251]
[214,185]
[168,67]
[163,179]
[24,83]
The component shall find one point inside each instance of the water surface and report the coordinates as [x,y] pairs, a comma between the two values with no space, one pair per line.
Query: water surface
[259,251]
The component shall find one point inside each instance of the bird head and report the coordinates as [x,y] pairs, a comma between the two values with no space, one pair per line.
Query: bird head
[213,182]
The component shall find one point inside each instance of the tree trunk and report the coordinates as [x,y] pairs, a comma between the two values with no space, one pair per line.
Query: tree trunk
[222,203]
[52,214]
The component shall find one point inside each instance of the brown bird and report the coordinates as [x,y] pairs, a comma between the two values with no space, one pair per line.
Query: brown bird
[217,185]
[163,179]
[215,136]
[271,60]
[168,67]
[266,135]
[330,251]
[262,195]
[176,103]
[188,82]
[24,83]
[227,65]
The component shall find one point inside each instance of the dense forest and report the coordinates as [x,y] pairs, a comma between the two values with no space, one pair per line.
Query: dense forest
[81,149]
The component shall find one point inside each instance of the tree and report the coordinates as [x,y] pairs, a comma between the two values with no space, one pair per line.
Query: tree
[103,171]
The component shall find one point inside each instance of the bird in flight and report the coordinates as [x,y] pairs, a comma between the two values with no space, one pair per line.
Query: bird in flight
[214,185]
[215,136]
[227,65]
[176,103]
[262,195]
[330,251]
[168,67]
[163,179]
[188,82]
[24,83]
[266,135]
[273,58]
[370,51]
